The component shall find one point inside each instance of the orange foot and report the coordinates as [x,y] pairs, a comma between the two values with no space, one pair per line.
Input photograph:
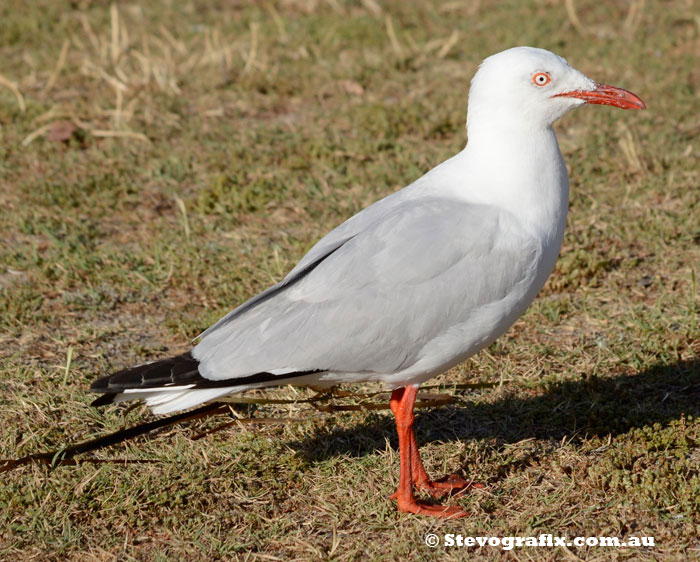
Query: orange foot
[421,508]
[411,471]
[450,484]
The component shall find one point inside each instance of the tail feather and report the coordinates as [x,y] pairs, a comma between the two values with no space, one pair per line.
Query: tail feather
[167,402]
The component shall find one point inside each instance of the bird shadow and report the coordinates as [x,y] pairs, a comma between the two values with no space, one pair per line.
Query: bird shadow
[572,409]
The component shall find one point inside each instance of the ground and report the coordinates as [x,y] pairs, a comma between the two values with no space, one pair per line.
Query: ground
[162,162]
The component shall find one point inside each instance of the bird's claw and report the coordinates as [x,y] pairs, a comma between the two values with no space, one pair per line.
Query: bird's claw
[451,484]
[420,508]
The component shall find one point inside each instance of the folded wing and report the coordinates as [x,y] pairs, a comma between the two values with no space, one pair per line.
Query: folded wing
[379,297]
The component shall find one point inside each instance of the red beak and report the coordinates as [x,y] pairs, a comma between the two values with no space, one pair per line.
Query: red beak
[607,95]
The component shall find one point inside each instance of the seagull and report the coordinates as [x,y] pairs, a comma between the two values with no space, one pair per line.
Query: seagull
[413,284]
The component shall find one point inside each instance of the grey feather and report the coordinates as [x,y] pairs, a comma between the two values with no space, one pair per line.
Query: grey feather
[369,303]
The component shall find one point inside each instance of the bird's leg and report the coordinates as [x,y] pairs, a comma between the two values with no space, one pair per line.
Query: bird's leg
[402,401]
[436,488]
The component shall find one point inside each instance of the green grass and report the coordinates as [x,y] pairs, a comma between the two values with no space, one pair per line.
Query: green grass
[211,147]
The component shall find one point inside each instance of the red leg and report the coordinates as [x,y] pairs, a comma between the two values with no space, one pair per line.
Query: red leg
[436,488]
[402,401]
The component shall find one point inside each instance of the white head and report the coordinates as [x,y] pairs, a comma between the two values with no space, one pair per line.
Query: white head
[532,88]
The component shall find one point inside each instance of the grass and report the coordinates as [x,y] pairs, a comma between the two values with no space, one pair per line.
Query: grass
[162,162]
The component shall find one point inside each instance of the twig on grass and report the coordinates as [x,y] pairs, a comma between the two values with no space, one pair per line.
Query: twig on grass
[65,454]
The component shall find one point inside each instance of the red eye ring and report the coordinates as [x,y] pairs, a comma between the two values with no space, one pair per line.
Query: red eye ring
[541,79]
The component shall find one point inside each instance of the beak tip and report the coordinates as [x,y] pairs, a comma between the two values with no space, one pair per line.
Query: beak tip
[636,104]
[608,95]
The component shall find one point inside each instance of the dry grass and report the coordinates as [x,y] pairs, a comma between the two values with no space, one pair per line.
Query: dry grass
[162,162]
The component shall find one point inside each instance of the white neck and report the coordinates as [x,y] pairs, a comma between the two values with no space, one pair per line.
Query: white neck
[522,171]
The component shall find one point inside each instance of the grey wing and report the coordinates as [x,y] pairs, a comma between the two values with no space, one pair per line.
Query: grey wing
[319,252]
[445,174]
[299,272]
[379,298]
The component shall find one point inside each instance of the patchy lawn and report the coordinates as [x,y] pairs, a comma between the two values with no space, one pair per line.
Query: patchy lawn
[161,163]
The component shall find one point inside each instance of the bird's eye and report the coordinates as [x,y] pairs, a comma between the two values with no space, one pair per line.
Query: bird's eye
[541,79]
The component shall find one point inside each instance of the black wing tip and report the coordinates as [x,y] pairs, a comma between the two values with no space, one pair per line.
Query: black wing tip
[101,384]
[180,369]
[103,400]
